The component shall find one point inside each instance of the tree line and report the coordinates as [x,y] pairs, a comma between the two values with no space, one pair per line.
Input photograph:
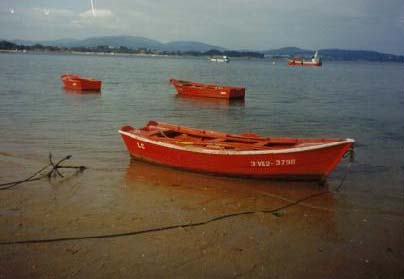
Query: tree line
[6,45]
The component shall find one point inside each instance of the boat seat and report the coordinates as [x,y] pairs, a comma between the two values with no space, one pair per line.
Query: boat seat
[215,140]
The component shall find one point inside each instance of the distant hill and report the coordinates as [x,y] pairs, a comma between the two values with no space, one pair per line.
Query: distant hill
[113,41]
[55,43]
[336,54]
[288,51]
[190,46]
[132,42]
[117,41]
[354,55]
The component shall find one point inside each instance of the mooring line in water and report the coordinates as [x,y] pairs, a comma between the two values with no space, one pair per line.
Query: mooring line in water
[275,212]
[8,185]
[351,155]
[39,174]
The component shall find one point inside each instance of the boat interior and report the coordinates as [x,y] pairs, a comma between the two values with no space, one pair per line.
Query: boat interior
[201,85]
[184,136]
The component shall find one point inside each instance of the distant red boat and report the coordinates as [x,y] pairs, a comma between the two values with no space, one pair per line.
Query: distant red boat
[190,88]
[75,82]
[246,155]
[315,61]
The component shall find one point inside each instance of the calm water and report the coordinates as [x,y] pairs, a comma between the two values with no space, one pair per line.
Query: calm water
[363,101]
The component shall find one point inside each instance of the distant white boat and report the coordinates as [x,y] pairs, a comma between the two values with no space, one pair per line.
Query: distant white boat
[219,59]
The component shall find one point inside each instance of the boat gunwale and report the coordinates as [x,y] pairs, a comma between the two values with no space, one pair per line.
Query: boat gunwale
[199,85]
[73,77]
[236,152]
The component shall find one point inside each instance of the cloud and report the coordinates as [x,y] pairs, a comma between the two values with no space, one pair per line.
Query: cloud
[101,22]
[97,13]
[52,12]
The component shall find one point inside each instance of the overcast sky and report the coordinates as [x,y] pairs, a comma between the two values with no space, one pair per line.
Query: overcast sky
[235,24]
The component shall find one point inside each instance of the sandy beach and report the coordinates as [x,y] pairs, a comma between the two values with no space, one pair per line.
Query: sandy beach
[331,235]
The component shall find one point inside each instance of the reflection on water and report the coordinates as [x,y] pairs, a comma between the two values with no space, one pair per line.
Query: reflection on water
[208,102]
[152,175]
[81,92]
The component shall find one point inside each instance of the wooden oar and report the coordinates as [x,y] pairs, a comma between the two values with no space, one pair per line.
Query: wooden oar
[214,135]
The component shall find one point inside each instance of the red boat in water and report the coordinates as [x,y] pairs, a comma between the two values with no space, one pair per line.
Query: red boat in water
[75,82]
[190,88]
[315,61]
[245,155]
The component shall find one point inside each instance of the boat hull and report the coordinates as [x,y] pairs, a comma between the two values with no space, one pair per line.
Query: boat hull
[221,60]
[75,82]
[208,90]
[301,164]
[303,63]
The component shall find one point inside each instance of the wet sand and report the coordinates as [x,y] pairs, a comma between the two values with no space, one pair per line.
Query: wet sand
[333,235]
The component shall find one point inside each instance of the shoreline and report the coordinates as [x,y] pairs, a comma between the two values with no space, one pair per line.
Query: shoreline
[181,56]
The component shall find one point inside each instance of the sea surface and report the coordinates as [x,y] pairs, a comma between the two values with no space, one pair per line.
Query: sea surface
[157,222]
[358,100]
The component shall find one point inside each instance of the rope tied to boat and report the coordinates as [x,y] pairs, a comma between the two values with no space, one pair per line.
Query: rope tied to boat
[52,173]
[351,154]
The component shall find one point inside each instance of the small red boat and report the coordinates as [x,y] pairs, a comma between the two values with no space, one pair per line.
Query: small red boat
[190,88]
[245,155]
[75,82]
[299,62]
[315,61]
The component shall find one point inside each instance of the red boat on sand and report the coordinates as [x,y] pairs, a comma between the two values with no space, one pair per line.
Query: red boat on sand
[190,88]
[76,82]
[245,155]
